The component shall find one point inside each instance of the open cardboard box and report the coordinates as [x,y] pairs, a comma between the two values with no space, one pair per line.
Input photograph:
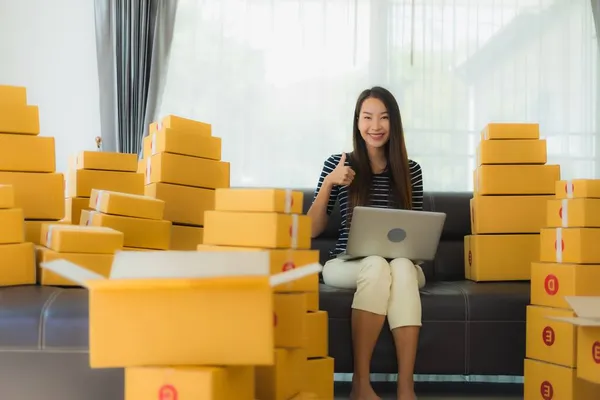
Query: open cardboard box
[587,321]
[181,308]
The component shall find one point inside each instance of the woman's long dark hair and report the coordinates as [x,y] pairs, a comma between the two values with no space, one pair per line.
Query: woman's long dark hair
[395,152]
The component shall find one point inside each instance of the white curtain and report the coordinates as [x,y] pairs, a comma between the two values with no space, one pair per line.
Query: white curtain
[278,79]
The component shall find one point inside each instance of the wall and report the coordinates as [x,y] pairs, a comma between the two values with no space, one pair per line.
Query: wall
[50,47]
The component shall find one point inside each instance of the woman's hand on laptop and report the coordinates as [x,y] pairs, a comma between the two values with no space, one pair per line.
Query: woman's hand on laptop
[342,175]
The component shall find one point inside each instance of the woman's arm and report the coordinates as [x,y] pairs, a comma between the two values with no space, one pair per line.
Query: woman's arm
[324,200]
[416,178]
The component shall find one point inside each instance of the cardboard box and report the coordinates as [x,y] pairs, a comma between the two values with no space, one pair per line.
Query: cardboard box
[319,378]
[265,230]
[183,204]
[13,95]
[282,260]
[142,233]
[81,182]
[18,264]
[105,161]
[551,283]
[12,228]
[185,170]
[587,321]
[289,321]
[550,341]
[40,195]
[570,245]
[553,382]
[259,200]
[508,214]
[73,208]
[317,334]
[181,124]
[285,378]
[97,263]
[127,205]
[510,131]
[578,189]
[81,239]
[20,119]
[174,383]
[141,166]
[25,153]
[33,230]
[500,257]
[515,179]
[184,143]
[573,213]
[185,237]
[154,308]
[7,197]
[511,152]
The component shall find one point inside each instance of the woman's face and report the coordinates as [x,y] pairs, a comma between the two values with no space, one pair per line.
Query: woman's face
[374,123]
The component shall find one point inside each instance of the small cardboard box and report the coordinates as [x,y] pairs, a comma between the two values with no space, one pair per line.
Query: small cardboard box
[64,238]
[259,200]
[573,213]
[185,237]
[285,378]
[12,228]
[20,119]
[511,152]
[317,334]
[550,341]
[40,195]
[104,160]
[546,381]
[80,182]
[18,264]
[290,324]
[578,189]
[181,124]
[511,131]
[13,95]
[587,321]
[33,230]
[7,196]
[570,245]
[183,204]
[97,263]
[182,308]
[319,377]
[181,142]
[508,214]
[73,208]
[515,179]
[186,170]
[126,204]
[551,283]
[26,153]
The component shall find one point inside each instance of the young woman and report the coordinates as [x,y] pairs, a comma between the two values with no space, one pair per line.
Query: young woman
[377,173]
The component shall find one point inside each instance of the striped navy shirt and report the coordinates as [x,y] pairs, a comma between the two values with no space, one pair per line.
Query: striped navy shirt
[380,195]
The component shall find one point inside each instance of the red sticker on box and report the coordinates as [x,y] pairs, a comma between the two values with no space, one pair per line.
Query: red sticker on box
[562,245]
[470,258]
[167,392]
[288,266]
[596,352]
[546,390]
[548,336]
[560,213]
[572,187]
[551,284]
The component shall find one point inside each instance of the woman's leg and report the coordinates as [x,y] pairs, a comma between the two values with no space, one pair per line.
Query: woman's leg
[373,280]
[404,316]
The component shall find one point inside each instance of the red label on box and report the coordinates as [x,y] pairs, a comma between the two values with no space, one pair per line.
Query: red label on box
[551,284]
[546,390]
[548,336]
[167,392]
[596,352]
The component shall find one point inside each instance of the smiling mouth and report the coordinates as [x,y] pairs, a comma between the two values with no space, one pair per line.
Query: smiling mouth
[376,135]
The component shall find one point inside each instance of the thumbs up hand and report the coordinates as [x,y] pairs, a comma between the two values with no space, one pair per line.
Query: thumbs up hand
[342,175]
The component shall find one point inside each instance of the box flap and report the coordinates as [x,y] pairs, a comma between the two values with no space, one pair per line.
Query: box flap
[188,264]
[295,274]
[585,306]
[577,321]
[71,271]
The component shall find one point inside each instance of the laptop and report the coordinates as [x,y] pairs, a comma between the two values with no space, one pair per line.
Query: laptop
[391,233]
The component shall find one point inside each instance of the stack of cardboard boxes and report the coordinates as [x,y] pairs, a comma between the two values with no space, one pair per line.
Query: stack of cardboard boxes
[512,184]
[140,218]
[270,221]
[185,324]
[559,353]
[182,163]
[28,162]
[99,170]
[17,265]
[92,248]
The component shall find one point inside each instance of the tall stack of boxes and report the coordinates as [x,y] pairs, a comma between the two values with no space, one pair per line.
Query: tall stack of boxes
[17,257]
[569,266]
[140,218]
[270,220]
[99,170]
[182,163]
[92,248]
[512,185]
[28,162]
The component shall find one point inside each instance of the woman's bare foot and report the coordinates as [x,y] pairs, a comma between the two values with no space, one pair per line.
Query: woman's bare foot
[363,392]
